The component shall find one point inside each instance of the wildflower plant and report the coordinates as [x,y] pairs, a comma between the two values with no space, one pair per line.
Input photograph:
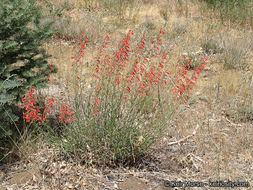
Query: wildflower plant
[131,100]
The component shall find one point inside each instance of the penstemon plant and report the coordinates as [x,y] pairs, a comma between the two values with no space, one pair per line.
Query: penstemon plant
[131,100]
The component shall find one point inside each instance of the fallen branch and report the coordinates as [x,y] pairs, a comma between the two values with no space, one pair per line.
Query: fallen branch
[185,138]
[234,124]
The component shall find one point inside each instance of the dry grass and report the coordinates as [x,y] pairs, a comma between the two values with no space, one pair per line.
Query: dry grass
[222,147]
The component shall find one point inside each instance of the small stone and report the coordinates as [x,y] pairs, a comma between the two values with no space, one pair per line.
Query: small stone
[115,186]
[69,185]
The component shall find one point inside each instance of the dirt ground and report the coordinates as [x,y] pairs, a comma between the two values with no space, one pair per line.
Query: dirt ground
[208,142]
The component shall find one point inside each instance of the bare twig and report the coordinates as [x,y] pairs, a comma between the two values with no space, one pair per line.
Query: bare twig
[196,157]
[185,138]
[234,124]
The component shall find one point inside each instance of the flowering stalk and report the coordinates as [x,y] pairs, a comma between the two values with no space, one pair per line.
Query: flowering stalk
[140,76]
[66,113]
[184,84]
[33,110]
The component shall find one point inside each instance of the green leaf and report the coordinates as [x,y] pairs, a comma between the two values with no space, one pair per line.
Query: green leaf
[9,115]
[4,132]
[28,73]
[10,45]
[6,98]
[10,84]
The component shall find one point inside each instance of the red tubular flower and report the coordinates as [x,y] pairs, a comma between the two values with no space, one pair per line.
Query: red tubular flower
[162,32]
[66,113]
[185,85]
[97,102]
[33,110]
[29,105]
[80,50]
[47,110]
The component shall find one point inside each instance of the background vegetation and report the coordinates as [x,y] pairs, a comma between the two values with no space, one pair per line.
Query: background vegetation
[23,61]
[90,117]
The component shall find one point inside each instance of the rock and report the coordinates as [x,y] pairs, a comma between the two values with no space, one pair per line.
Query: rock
[133,183]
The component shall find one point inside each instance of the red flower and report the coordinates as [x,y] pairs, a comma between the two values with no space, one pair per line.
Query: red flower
[185,84]
[162,32]
[33,110]
[66,113]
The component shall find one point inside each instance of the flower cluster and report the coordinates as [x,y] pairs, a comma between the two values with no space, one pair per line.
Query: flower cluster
[138,146]
[136,75]
[66,113]
[146,74]
[184,84]
[80,45]
[33,110]
[147,71]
